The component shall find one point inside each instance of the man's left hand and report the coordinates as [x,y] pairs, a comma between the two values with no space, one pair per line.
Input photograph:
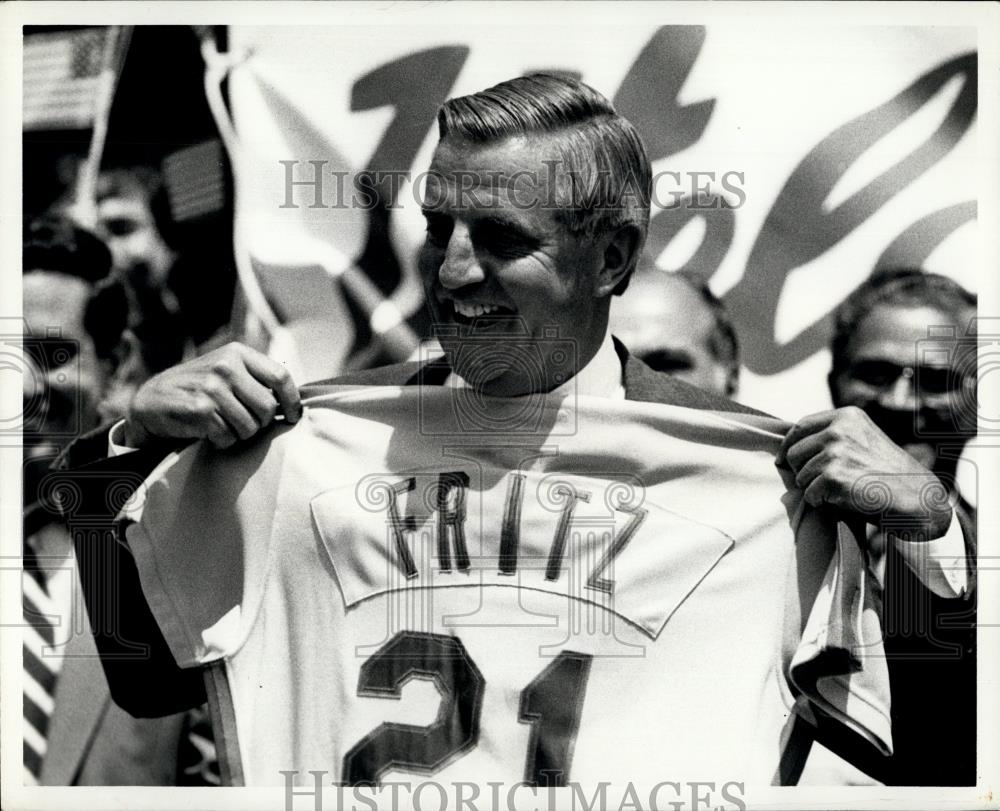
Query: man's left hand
[842,458]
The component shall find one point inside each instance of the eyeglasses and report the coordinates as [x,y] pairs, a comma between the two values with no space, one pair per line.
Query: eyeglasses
[926,380]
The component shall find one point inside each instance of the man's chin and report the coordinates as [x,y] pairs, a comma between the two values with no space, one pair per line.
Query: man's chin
[489,325]
[491,376]
[496,373]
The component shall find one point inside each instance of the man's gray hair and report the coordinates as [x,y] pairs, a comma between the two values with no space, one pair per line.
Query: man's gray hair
[607,179]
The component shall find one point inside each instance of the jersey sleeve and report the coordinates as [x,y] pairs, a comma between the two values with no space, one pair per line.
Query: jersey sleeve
[838,663]
[200,535]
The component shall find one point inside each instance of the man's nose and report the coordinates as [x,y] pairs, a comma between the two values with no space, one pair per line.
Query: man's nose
[900,395]
[33,384]
[460,266]
[39,379]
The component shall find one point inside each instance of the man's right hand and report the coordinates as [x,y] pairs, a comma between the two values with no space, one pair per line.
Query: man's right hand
[225,395]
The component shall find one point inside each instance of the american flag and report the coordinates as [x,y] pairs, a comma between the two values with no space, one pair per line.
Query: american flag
[195,180]
[61,78]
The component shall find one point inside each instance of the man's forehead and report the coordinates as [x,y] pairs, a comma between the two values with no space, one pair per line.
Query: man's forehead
[665,298]
[40,282]
[518,164]
[886,322]
[661,315]
[907,334]
[133,206]
[512,152]
[52,299]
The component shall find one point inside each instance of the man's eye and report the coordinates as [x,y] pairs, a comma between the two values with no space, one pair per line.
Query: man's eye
[506,250]
[438,232]
[51,353]
[936,380]
[503,243]
[876,373]
[666,360]
[121,226]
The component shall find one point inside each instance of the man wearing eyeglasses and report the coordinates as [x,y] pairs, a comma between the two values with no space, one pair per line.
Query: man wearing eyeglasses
[903,381]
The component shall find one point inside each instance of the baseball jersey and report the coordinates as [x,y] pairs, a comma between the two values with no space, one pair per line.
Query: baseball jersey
[421,583]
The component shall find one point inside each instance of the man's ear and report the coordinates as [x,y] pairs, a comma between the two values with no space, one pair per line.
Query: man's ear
[108,367]
[620,256]
[127,356]
[833,383]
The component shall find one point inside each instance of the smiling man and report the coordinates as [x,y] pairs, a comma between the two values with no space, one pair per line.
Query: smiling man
[536,209]
[904,353]
[531,226]
[537,205]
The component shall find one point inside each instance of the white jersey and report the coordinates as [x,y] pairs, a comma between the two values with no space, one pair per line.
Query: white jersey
[626,592]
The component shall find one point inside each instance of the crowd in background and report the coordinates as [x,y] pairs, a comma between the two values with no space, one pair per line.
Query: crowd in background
[107,302]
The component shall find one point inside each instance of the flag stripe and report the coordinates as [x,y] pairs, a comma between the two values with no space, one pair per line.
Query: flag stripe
[35,592]
[199,207]
[77,98]
[34,668]
[32,760]
[36,724]
[46,73]
[51,57]
[195,195]
[38,598]
[44,653]
[39,671]
[187,189]
[52,60]
[38,45]
[43,92]
[47,54]
[38,695]
[37,620]
[78,122]
[195,180]
[190,170]
[190,212]
[206,203]
[36,715]
[61,78]
[66,112]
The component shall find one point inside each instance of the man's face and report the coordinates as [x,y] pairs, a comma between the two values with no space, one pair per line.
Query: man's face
[503,276]
[907,384]
[666,323]
[63,377]
[125,222]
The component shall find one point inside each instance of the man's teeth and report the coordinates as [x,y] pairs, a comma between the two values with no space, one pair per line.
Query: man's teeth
[474,310]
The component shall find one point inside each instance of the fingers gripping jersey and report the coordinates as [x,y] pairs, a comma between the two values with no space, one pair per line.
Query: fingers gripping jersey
[620,592]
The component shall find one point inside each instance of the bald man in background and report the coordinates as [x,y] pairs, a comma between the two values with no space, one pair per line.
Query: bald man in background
[675,324]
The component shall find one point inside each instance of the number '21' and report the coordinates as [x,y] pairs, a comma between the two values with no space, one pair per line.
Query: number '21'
[551,703]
